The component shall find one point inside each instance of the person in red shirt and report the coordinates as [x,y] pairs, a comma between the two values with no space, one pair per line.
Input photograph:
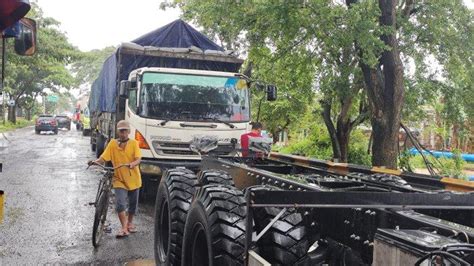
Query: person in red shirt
[244,139]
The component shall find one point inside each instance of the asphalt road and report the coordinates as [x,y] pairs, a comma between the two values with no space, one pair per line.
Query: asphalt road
[47,215]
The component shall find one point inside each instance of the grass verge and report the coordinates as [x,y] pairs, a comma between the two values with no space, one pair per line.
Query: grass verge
[20,123]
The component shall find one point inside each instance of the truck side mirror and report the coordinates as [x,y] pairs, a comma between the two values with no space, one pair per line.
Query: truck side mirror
[271,92]
[133,82]
[25,42]
[125,86]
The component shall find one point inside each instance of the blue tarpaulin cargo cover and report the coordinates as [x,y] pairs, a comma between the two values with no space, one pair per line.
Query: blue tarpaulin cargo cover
[176,45]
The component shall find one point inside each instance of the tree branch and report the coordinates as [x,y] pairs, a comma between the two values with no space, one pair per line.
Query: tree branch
[409,8]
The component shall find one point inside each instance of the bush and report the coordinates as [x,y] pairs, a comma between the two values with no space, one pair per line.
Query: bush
[20,123]
[450,167]
[318,145]
[358,149]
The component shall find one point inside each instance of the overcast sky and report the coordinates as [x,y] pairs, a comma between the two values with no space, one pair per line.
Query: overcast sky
[95,24]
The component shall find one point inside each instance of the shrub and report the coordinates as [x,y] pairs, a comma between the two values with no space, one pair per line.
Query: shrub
[318,145]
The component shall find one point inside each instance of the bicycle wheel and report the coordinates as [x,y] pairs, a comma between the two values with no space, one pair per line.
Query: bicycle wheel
[99,218]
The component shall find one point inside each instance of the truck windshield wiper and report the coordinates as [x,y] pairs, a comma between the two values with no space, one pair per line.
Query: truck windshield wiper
[220,121]
[164,122]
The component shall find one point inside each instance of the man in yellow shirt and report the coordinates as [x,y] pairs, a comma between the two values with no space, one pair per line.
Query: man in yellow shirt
[126,181]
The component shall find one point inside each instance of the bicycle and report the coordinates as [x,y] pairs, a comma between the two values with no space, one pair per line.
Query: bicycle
[101,203]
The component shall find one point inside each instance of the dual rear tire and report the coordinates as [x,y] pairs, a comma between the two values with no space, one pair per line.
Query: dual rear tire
[173,200]
[200,220]
[215,227]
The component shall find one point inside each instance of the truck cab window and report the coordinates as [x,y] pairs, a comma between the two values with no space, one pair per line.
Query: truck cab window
[194,97]
[132,100]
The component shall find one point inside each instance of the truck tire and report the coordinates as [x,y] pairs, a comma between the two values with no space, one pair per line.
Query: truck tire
[218,177]
[100,145]
[173,200]
[215,227]
[286,242]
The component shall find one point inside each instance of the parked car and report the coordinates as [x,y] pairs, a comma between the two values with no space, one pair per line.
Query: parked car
[46,123]
[63,121]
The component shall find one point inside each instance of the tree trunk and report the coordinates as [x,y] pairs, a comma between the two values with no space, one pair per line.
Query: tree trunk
[340,135]
[455,139]
[343,140]
[28,114]
[326,113]
[12,114]
[385,91]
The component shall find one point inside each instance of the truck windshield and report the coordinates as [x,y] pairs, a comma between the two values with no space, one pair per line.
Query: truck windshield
[194,97]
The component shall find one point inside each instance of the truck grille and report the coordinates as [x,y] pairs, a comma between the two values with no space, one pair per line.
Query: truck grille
[182,148]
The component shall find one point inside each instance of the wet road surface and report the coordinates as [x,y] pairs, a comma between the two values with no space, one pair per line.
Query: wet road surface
[47,215]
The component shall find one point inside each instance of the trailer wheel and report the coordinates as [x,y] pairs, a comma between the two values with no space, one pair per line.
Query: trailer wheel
[173,200]
[218,177]
[287,241]
[100,145]
[215,228]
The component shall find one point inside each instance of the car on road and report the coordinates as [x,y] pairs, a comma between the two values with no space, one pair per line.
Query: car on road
[46,123]
[63,121]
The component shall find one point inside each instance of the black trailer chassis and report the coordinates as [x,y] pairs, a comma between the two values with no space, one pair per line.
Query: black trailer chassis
[263,211]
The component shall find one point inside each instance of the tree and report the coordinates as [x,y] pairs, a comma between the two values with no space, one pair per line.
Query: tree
[88,66]
[299,41]
[384,83]
[438,37]
[381,38]
[28,76]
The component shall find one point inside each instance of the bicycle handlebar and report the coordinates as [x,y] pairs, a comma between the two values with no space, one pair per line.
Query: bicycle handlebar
[107,168]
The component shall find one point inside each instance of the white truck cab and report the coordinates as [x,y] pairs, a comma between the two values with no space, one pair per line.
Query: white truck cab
[167,107]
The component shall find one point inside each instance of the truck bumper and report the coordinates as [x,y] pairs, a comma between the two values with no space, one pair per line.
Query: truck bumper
[155,167]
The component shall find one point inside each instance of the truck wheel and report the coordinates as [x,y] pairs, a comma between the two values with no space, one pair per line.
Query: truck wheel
[215,227]
[173,200]
[286,242]
[99,149]
[218,177]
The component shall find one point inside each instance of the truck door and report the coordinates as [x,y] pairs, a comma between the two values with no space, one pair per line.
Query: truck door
[138,128]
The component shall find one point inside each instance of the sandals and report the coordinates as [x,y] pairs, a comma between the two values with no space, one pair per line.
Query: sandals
[132,229]
[121,234]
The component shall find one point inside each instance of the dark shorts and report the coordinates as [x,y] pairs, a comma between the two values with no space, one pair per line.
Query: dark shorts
[124,198]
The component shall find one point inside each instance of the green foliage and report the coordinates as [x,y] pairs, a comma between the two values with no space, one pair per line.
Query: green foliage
[358,149]
[440,33]
[87,67]
[20,123]
[447,167]
[455,170]
[318,145]
[307,49]
[406,161]
[27,77]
